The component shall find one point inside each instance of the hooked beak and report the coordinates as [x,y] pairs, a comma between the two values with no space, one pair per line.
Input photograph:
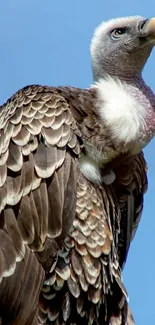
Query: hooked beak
[147,29]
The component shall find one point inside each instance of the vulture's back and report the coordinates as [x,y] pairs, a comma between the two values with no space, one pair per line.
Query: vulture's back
[63,240]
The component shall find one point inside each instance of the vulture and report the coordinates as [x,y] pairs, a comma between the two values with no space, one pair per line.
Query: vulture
[72,181]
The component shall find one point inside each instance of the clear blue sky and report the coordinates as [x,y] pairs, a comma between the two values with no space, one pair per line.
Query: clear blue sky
[47,42]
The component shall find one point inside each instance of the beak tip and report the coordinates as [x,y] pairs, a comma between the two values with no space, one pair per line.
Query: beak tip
[147,26]
[141,24]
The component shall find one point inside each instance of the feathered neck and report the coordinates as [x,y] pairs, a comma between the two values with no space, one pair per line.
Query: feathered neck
[127,110]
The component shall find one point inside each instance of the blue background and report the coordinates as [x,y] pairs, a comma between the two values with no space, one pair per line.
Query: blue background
[47,42]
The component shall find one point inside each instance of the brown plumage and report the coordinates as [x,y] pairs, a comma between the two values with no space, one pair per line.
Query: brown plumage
[72,179]
[61,237]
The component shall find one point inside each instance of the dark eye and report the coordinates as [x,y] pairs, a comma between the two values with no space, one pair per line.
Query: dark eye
[117,33]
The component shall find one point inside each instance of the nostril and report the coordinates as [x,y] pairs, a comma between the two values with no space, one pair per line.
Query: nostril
[142,24]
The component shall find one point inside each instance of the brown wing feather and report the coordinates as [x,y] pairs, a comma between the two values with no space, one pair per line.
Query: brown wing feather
[19,293]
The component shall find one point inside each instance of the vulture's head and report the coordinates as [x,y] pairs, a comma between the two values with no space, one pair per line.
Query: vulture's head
[121,46]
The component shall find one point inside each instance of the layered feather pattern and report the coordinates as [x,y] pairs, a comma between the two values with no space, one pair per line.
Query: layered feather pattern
[60,235]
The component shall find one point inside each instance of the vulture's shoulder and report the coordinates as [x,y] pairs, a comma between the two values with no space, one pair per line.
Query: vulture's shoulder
[38,119]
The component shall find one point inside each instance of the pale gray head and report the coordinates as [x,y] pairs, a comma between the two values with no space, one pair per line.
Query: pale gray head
[121,46]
